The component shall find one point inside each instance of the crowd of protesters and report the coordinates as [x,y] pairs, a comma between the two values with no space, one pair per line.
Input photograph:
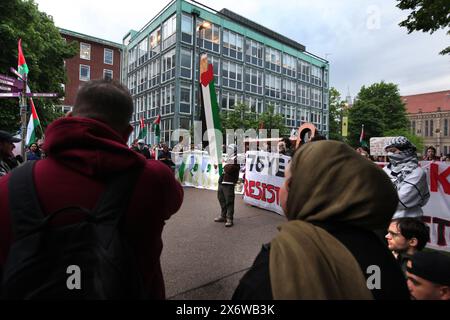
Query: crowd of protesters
[323,251]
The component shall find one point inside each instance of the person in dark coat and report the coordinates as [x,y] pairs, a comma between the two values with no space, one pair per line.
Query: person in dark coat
[142,149]
[84,150]
[227,182]
[327,249]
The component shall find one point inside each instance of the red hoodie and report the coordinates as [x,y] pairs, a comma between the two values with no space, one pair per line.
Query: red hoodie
[81,153]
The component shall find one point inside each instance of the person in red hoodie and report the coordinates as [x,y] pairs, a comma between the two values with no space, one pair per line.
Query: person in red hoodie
[83,150]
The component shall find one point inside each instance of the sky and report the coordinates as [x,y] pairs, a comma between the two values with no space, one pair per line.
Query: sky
[361,39]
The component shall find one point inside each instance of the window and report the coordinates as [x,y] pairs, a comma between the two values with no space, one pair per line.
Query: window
[413,127]
[108,56]
[142,79]
[155,41]
[253,80]
[85,72]
[167,99]
[316,98]
[254,53]
[168,66]
[316,76]
[107,74]
[303,94]
[446,127]
[426,128]
[273,86]
[85,51]
[153,73]
[132,57]
[289,90]
[143,51]
[209,38]
[303,116]
[304,70]
[186,28]
[233,44]
[166,130]
[230,99]
[186,63]
[185,99]
[169,28]
[325,78]
[289,65]
[273,59]
[289,116]
[255,104]
[232,75]
[154,103]
[431,128]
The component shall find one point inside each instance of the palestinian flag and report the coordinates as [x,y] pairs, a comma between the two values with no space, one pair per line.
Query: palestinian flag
[362,142]
[33,123]
[22,67]
[143,129]
[210,111]
[156,128]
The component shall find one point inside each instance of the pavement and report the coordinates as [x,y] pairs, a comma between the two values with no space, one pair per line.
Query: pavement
[204,260]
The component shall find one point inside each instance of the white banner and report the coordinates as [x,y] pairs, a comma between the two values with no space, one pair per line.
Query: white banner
[437,211]
[195,169]
[264,175]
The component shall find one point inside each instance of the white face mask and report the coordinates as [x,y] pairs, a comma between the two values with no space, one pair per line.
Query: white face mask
[390,154]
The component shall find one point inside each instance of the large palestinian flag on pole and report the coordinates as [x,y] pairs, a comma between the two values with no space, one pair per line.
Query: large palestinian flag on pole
[33,124]
[22,66]
[210,111]
[142,129]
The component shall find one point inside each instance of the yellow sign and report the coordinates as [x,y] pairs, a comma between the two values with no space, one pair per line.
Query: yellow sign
[344,126]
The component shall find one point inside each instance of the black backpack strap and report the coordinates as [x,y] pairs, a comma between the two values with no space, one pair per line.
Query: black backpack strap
[24,206]
[114,203]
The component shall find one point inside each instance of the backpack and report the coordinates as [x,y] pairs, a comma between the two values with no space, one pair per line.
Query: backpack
[87,259]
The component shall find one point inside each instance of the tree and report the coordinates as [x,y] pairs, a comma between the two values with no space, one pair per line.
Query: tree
[427,16]
[239,118]
[369,114]
[387,98]
[336,114]
[270,120]
[44,50]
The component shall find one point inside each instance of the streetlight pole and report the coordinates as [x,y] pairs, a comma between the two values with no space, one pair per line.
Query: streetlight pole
[196,14]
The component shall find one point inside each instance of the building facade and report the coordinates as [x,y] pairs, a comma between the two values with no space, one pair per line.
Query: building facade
[429,116]
[96,59]
[252,65]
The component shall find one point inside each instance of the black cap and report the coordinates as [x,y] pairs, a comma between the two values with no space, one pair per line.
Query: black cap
[432,266]
[6,136]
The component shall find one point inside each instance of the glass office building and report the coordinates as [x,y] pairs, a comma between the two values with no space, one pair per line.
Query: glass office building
[252,65]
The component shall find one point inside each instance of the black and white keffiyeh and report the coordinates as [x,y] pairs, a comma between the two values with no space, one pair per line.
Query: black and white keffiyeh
[403,163]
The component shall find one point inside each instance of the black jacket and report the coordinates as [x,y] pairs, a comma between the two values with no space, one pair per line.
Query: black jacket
[365,247]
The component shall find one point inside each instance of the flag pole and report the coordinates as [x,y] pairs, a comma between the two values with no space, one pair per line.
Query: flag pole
[23,116]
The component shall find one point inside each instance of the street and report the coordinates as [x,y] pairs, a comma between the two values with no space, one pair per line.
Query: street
[202,259]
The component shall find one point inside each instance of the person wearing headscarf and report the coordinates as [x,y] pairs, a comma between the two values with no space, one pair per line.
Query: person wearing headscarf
[408,178]
[327,249]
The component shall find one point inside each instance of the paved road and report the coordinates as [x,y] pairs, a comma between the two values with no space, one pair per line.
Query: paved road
[201,258]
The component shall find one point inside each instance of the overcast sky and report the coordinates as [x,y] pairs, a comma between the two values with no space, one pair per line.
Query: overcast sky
[361,39]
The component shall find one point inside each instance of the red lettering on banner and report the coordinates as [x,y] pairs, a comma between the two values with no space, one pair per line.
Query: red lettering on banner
[442,178]
[263,195]
[266,192]
[272,194]
[442,223]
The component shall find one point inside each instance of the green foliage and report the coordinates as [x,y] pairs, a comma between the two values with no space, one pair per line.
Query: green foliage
[416,140]
[336,114]
[387,98]
[244,118]
[44,50]
[426,16]
[369,114]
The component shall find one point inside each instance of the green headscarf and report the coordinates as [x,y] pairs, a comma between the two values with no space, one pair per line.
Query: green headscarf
[329,182]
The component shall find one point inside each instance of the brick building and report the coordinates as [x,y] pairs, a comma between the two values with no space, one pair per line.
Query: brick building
[96,59]
[429,116]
